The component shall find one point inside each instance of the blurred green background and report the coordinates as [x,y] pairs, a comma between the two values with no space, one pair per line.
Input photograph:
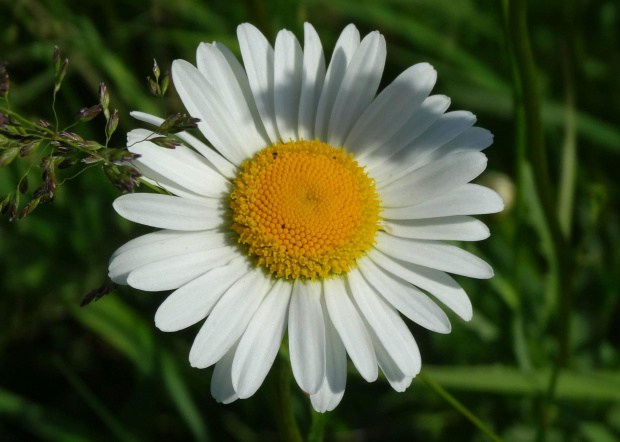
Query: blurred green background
[104,372]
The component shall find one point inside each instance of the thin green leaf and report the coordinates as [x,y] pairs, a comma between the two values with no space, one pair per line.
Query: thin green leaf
[588,386]
[117,324]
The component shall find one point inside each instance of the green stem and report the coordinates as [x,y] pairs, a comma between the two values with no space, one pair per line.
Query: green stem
[317,427]
[459,407]
[51,134]
[54,110]
[526,82]
[569,154]
[282,408]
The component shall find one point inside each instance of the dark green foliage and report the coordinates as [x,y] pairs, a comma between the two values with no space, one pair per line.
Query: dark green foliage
[104,372]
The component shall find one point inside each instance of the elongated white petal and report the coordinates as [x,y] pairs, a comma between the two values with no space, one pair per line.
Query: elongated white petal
[260,342]
[157,246]
[194,301]
[473,139]
[350,327]
[180,165]
[345,48]
[288,67]
[439,284]
[410,158]
[394,106]
[469,199]
[377,160]
[394,375]
[449,228]
[169,212]
[434,254]
[229,319]
[258,59]
[332,390]
[410,301]
[433,180]
[221,164]
[358,87]
[306,335]
[221,382]
[216,69]
[244,84]
[149,238]
[386,323]
[158,180]
[216,123]
[172,273]
[312,78]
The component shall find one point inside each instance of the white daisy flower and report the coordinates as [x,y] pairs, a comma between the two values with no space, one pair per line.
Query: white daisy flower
[320,209]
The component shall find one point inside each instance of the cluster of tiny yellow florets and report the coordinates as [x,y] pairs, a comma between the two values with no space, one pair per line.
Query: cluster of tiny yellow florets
[305,209]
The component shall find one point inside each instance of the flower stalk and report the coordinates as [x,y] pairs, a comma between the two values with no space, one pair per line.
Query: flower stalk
[529,119]
[281,405]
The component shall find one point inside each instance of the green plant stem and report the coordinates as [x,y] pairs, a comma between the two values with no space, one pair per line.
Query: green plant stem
[282,406]
[54,109]
[569,153]
[50,135]
[536,157]
[317,427]
[460,407]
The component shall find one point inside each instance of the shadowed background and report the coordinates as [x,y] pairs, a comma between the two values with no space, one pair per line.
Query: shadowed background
[104,372]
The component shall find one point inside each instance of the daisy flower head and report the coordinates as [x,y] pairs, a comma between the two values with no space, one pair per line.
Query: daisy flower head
[319,207]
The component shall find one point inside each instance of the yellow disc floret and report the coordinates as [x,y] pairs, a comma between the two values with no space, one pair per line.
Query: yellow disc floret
[305,209]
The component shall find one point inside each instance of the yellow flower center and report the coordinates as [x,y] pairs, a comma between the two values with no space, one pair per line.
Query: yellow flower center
[305,209]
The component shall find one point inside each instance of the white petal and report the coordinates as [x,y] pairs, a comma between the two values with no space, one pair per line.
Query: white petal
[433,180]
[169,212]
[394,106]
[172,273]
[449,228]
[332,389]
[216,69]
[160,245]
[449,125]
[437,283]
[229,319]
[473,139]
[312,79]
[216,123]
[158,180]
[244,84]
[358,87]
[434,254]
[425,116]
[149,238]
[386,323]
[350,327]
[221,382]
[345,48]
[258,57]
[410,301]
[288,66]
[469,199]
[306,335]
[394,375]
[221,164]
[259,345]
[194,301]
[180,165]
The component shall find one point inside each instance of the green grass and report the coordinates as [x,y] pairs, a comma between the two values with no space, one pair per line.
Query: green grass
[104,372]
